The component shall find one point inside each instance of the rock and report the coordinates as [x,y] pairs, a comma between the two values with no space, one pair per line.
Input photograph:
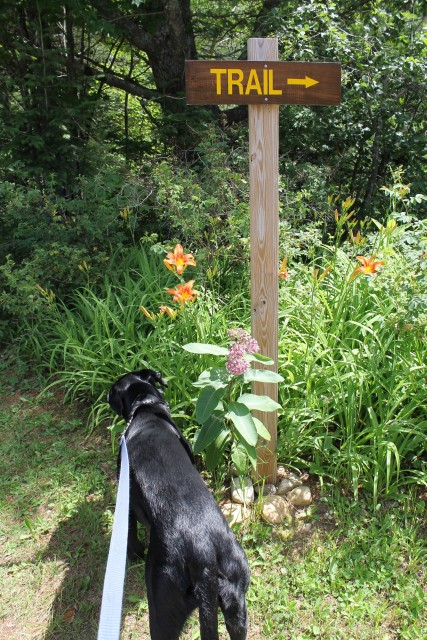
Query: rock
[306,528]
[265,490]
[300,496]
[234,513]
[289,482]
[276,510]
[281,473]
[285,486]
[297,482]
[242,495]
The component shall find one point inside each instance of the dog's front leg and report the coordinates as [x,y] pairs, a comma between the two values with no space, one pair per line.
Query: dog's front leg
[135,548]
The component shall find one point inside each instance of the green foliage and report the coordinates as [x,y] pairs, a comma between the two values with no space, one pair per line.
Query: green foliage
[107,74]
[224,411]
[382,49]
[55,243]
[102,332]
[353,355]
[351,349]
[47,103]
[205,202]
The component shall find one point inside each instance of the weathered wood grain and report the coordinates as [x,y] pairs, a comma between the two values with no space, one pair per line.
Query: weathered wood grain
[264,252]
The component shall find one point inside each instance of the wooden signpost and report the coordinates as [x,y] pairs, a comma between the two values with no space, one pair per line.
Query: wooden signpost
[264,83]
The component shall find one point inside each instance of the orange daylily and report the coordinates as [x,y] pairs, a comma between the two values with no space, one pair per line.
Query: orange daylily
[147,313]
[322,275]
[169,312]
[178,260]
[184,293]
[283,271]
[369,266]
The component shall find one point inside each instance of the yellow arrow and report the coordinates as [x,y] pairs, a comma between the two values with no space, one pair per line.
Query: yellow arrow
[306,82]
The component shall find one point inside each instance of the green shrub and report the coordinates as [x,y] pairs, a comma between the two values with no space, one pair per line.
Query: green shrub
[101,333]
[56,243]
[352,344]
[354,356]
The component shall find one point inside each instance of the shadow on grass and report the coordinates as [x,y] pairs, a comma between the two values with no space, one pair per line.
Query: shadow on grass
[80,545]
[57,496]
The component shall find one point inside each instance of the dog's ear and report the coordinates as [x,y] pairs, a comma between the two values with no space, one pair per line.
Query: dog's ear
[115,401]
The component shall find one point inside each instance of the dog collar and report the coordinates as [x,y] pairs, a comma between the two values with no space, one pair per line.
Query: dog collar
[159,408]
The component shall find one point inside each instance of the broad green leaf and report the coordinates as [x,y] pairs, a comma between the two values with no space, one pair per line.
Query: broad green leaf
[216,377]
[261,375]
[244,423]
[209,432]
[203,348]
[249,450]
[377,224]
[259,403]
[207,402]
[240,459]
[258,357]
[215,450]
[262,429]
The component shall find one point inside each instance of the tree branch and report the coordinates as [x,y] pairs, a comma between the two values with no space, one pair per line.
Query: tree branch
[124,84]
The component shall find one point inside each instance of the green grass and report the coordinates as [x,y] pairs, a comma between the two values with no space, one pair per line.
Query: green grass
[352,574]
[56,498]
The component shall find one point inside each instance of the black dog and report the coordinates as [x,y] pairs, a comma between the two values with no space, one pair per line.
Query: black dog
[193,558]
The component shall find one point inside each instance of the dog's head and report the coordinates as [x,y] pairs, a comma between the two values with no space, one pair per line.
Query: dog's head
[134,390]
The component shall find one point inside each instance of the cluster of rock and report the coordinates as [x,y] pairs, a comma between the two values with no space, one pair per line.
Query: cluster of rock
[278,502]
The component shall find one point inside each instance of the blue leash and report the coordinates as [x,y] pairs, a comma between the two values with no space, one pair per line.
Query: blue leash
[112,596]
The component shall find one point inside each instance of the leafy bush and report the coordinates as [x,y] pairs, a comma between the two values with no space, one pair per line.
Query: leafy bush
[222,408]
[103,332]
[352,346]
[353,353]
[55,242]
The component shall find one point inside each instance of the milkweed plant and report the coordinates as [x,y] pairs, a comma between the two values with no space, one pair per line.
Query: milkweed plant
[224,407]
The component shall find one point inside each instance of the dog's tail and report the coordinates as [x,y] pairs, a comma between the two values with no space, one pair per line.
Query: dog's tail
[233,605]
[232,586]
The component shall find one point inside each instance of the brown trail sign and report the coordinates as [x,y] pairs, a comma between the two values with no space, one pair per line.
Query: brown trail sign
[264,83]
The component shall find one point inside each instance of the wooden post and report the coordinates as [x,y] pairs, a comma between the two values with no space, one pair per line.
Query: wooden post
[264,243]
[264,83]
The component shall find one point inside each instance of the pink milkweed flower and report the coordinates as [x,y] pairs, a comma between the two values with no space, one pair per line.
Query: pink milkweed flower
[236,363]
[244,344]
